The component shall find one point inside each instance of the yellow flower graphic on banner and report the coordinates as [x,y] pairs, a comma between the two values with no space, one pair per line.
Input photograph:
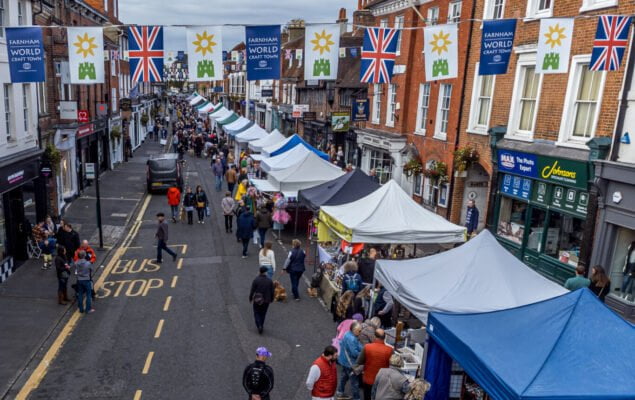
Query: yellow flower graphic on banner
[85,45]
[555,35]
[204,43]
[322,42]
[440,42]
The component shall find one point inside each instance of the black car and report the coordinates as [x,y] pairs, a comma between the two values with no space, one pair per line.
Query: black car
[163,172]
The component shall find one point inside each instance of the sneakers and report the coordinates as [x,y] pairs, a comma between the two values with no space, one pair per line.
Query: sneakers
[45,266]
[244,256]
[92,310]
[342,396]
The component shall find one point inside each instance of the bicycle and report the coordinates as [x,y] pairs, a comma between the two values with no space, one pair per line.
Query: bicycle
[32,249]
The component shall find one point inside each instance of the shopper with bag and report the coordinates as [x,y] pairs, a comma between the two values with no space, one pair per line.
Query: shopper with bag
[84,271]
[189,202]
[294,266]
[264,221]
[267,259]
[350,348]
[228,205]
[174,199]
[260,296]
[201,204]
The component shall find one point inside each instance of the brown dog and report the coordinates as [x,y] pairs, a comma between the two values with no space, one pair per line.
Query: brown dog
[279,292]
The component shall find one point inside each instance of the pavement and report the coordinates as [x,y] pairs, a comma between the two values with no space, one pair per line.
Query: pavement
[179,329]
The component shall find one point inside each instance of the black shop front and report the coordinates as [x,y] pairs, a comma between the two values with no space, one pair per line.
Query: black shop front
[91,147]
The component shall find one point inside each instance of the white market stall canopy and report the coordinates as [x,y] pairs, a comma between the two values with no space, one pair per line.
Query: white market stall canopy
[273,138]
[196,99]
[389,215]
[285,160]
[220,113]
[191,96]
[240,123]
[478,276]
[206,108]
[253,133]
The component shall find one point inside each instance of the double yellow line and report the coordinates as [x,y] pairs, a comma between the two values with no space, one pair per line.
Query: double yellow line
[41,370]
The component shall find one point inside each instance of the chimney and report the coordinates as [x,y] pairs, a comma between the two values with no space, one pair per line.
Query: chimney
[343,21]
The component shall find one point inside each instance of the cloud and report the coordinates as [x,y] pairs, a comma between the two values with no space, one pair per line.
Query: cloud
[217,12]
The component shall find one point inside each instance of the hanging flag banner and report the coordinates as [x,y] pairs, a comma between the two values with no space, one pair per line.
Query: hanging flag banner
[360,110]
[287,54]
[554,45]
[86,55]
[378,55]
[321,51]
[610,42]
[263,52]
[496,46]
[204,51]
[26,54]
[441,51]
[146,53]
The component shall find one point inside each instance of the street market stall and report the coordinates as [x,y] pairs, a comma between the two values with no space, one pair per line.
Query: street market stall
[287,145]
[228,119]
[255,132]
[197,99]
[205,108]
[568,347]
[272,139]
[292,157]
[240,125]
[345,189]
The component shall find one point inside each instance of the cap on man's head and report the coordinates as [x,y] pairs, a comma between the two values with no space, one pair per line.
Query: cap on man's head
[263,352]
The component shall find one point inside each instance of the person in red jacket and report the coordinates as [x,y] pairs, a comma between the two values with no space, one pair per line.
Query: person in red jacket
[90,253]
[174,199]
[322,379]
[374,356]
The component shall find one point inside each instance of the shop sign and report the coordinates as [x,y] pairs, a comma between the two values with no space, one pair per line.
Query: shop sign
[541,193]
[299,109]
[82,116]
[340,121]
[360,110]
[90,170]
[556,170]
[46,169]
[571,200]
[68,110]
[266,93]
[309,116]
[15,175]
[85,130]
[217,89]
[102,110]
[516,186]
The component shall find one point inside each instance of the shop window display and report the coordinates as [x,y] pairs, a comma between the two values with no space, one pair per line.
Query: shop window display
[536,229]
[623,265]
[564,236]
[511,223]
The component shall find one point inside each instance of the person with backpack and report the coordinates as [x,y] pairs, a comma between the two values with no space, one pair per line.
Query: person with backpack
[351,280]
[261,295]
[258,376]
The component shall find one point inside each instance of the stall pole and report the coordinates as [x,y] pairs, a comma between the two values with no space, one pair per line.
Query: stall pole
[295,229]
[372,293]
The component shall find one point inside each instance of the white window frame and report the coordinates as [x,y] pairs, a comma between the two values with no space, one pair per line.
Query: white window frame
[399,21]
[474,126]
[454,12]
[422,116]
[21,11]
[534,13]
[513,130]
[427,192]
[568,113]
[42,100]
[417,190]
[438,133]
[7,97]
[383,23]
[106,6]
[26,106]
[443,186]
[4,16]
[113,99]
[432,16]
[116,8]
[376,117]
[488,9]
[591,5]
[391,105]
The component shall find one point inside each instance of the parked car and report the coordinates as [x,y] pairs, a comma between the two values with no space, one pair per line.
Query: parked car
[163,172]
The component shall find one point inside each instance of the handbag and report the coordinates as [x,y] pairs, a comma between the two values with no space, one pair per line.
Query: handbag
[200,204]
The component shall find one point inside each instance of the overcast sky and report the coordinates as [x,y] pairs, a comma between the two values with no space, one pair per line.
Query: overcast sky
[217,12]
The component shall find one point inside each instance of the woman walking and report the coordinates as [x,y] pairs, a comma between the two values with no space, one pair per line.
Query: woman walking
[267,258]
[63,273]
[294,266]
[228,205]
[245,229]
[600,282]
[189,202]
[264,222]
[201,203]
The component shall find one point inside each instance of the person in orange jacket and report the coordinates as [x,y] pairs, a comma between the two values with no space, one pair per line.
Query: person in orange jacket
[174,199]
[90,253]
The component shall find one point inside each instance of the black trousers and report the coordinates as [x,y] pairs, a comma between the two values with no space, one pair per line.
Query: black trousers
[260,312]
[228,222]
[367,390]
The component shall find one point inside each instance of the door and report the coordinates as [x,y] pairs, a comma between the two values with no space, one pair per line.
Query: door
[17,229]
[477,189]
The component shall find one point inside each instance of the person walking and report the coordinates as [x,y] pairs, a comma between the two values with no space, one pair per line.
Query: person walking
[231,177]
[294,266]
[471,218]
[189,202]
[63,271]
[322,379]
[391,383]
[201,204]
[217,170]
[263,222]
[174,199]
[350,348]
[600,282]
[260,296]
[84,271]
[228,204]
[162,239]
[245,228]
[258,376]
[267,259]
[374,356]
[578,281]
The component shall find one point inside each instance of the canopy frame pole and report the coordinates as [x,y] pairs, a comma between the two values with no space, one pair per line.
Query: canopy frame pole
[372,292]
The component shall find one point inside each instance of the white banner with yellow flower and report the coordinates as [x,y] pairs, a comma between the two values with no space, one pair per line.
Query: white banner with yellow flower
[321,51]
[205,53]
[441,51]
[86,55]
[554,45]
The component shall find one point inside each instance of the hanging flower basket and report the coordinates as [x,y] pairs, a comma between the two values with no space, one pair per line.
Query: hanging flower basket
[438,172]
[412,167]
[53,155]
[115,132]
[464,158]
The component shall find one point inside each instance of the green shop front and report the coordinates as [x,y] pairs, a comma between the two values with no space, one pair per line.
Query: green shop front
[541,210]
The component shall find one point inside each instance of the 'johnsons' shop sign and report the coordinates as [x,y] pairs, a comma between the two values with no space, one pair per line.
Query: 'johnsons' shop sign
[550,169]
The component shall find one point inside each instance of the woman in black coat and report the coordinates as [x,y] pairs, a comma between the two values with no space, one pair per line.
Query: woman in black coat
[245,225]
[201,203]
[189,202]
[63,271]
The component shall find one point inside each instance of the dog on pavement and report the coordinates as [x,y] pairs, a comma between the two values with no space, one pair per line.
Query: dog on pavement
[279,292]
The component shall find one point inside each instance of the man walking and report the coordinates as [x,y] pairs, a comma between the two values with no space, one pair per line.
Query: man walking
[261,295]
[374,356]
[228,204]
[471,218]
[322,379]
[174,199]
[579,281]
[245,229]
[263,222]
[162,239]
[84,271]
[231,177]
[258,376]
[217,170]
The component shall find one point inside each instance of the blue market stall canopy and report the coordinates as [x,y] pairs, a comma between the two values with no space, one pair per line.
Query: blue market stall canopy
[290,143]
[345,189]
[285,160]
[568,347]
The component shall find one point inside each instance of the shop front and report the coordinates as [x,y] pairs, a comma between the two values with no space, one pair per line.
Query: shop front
[614,246]
[541,210]
[115,138]
[92,147]
[382,152]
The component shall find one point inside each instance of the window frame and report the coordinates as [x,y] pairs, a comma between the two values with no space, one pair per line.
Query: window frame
[422,117]
[592,5]
[430,20]
[454,5]
[376,116]
[21,12]
[489,8]
[7,92]
[524,61]
[474,126]
[399,27]
[3,16]
[578,62]
[391,105]
[534,13]
[438,134]
[417,187]
[26,106]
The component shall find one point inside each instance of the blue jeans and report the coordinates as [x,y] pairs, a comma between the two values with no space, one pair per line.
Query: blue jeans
[161,245]
[175,211]
[627,284]
[84,289]
[295,282]
[219,182]
[262,232]
[345,377]
[269,270]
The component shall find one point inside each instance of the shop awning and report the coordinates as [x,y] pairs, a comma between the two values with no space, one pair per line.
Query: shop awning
[228,119]
[389,215]
[345,189]
[271,139]
[253,133]
[191,96]
[568,347]
[288,144]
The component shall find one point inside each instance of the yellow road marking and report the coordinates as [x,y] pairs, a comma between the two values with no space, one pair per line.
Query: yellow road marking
[146,366]
[157,333]
[174,279]
[42,368]
[184,249]
[179,264]
[166,306]
[137,395]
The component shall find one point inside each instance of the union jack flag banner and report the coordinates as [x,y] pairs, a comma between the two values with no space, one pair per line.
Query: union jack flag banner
[378,55]
[146,53]
[610,42]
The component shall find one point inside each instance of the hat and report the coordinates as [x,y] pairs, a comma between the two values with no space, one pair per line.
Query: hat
[262,351]
[358,317]
[263,269]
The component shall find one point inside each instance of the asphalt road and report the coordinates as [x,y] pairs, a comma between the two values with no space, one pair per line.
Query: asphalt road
[184,330]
